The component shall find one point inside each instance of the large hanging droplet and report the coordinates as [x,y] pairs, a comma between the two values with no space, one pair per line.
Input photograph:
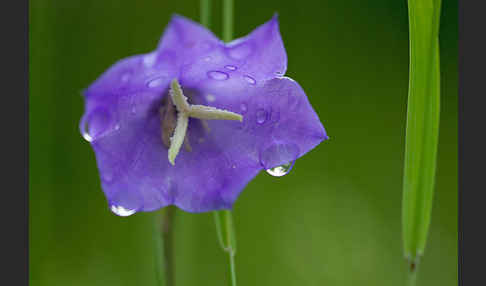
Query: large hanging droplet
[281,170]
[278,159]
[95,124]
[121,211]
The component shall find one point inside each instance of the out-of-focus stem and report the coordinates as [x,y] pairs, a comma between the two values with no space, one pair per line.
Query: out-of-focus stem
[205,12]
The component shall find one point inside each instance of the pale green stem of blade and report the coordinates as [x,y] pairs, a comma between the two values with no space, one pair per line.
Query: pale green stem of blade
[205,14]
[422,127]
[228,7]
[224,219]
[160,276]
[227,238]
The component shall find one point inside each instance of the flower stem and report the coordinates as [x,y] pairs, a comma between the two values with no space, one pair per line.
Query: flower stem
[167,232]
[158,250]
[412,275]
[205,12]
[163,239]
[223,219]
[227,238]
[228,6]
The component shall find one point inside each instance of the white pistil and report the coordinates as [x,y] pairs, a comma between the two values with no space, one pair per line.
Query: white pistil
[208,112]
[178,138]
[185,110]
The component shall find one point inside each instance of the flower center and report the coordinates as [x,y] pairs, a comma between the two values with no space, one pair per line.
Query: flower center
[175,120]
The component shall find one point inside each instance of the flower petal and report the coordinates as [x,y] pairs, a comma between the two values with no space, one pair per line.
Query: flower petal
[261,53]
[185,41]
[123,123]
[257,57]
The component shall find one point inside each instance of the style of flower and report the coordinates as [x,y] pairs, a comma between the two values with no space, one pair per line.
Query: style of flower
[191,123]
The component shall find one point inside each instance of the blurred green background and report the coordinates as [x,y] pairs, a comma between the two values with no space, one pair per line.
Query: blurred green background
[334,220]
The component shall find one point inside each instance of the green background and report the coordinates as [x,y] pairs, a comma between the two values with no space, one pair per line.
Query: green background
[334,220]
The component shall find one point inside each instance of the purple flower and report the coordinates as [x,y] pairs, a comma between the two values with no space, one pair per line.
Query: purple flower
[130,117]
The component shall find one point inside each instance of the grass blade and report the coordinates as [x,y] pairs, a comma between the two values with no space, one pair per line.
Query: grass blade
[422,126]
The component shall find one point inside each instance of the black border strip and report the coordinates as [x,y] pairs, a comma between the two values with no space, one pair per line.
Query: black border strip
[14,23]
[472,143]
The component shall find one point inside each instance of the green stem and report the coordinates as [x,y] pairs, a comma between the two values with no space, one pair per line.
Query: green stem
[163,239]
[205,13]
[158,250]
[412,278]
[167,232]
[228,6]
[227,238]
[223,219]
[412,274]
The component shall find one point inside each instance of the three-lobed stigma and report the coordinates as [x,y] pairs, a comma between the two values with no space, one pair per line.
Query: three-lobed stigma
[186,110]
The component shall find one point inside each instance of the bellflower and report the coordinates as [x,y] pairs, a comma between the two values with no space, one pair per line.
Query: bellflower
[191,123]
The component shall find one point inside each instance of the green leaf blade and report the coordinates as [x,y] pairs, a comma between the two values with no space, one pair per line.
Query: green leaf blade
[422,132]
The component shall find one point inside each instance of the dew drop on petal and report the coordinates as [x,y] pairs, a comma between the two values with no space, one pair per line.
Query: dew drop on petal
[279,158]
[149,60]
[281,170]
[210,98]
[121,211]
[243,108]
[125,77]
[250,80]
[156,82]
[261,116]
[95,124]
[217,75]
[230,67]
[275,116]
[107,176]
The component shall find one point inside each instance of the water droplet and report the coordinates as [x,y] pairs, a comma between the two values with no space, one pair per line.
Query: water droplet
[261,116]
[279,155]
[250,80]
[210,98]
[121,211]
[240,52]
[275,116]
[243,108]
[207,59]
[230,67]
[156,82]
[125,77]
[107,176]
[217,75]
[281,170]
[117,126]
[95,123]
[149,60]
